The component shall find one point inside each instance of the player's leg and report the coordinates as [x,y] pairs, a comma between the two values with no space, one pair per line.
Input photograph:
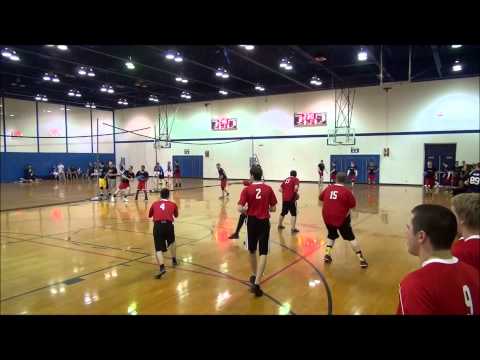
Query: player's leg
[285,207]
[331,237]
[241,221]
[293,212]
[263,242]
[160,247]
[252,241]
[172,245]
[126,192]
[347,233]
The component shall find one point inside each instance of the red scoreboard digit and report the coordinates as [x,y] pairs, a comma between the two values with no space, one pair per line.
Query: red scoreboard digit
[222,124]
[309,119]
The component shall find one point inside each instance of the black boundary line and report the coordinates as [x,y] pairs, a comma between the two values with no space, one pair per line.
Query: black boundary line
[221,274]
[329,295]
[61,282]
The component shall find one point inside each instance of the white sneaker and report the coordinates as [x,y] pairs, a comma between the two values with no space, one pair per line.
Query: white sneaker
[112,199]
[125,199]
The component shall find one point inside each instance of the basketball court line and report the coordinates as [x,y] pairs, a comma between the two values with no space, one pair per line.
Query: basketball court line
[222,275]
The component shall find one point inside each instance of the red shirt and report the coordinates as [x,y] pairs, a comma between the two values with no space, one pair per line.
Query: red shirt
[163,210]
[441,287]
[288,188]
[259,198]
[337,202]
[468,250]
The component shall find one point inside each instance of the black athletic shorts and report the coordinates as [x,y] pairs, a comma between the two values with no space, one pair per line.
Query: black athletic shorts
[258,231]
[345,230]
[289,206]
[163,235]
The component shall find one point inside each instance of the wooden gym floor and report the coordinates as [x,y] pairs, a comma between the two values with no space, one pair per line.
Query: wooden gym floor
[93,257]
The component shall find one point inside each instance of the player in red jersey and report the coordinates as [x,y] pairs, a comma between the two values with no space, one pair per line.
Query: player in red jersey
[177,175]
[443,285]
[466,208]
[163,212]
[429,176]
[124,187]
[333,173]
[337,203]
[223,180]
[261,200]
[352,173]
[241,219]
[289,190]
[142,177]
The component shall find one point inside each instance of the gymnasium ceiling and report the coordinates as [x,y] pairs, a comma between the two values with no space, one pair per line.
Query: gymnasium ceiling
[335,66]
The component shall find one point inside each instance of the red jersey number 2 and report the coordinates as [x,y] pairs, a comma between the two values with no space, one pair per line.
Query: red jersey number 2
[258,196]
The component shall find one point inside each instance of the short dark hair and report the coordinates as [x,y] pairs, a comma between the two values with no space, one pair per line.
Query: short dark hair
[164,193]
[257,172]
[293,173]
[341,177]
[438,222]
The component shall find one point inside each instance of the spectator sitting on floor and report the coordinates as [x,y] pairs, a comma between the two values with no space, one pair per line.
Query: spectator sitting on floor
[28,175]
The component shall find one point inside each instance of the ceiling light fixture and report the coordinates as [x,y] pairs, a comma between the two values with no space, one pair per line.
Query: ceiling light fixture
[259,87]
[362,55]
[223,92]
[62,47]
[315,80]
[456,46]
[457,66]
[129,64]
[247,47]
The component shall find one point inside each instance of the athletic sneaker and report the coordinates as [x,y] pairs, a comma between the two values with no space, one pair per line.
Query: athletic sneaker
[112,199]
[252,279]
[257,291]
[327,259]
[174,262]
[146,199]
[161,273]
[228,194]
[233,236]
[295,231]
[363,263]
[125,199]
[281,227]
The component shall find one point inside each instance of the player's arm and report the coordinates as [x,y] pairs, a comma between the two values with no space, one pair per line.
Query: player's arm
[243,200]
[273,202]
[150,213]
[322,195]
[175,211]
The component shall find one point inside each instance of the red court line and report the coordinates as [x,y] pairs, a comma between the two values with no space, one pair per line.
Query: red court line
[117,257]
[287,266]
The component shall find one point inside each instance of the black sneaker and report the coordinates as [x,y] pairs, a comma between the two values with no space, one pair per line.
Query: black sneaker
[257,291]
[327,259]
[252,279]
[233,236]
[281,227]
[363,263]
[295,231]
[161,273]
[174,262]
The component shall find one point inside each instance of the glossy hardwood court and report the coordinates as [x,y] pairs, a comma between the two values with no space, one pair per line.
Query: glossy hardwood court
[93,257]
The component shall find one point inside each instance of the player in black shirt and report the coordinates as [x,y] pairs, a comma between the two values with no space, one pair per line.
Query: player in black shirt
[111,179]
[472,181]
[142,177]
[321,170]
[372,171]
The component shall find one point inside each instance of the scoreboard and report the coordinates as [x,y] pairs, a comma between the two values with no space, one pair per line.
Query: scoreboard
[310,119]
[222,124]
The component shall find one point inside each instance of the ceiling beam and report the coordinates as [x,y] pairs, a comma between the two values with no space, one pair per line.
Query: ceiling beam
[308,56]
[381,67]
[157,69]
[49,57]
[209,67]
[436,58]
[268,68]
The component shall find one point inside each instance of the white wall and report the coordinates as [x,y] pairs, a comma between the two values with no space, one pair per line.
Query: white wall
[20,118]
[418,107]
